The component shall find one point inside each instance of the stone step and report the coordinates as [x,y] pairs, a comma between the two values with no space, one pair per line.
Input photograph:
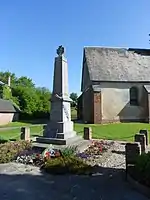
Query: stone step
[51,141]
[66,135]
[40,145]
[80,144]
[57,141]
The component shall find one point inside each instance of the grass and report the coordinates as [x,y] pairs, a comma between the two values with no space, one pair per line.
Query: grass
[14,134]
[15,124]
[73,113]
[122,131]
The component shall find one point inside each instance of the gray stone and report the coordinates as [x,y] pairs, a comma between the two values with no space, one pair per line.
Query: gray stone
[60,127]
[76,141]
[87,133]
[25,133]
[146,133]
[142,140]
[132,150]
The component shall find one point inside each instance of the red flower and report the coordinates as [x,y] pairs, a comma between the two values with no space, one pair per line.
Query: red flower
[57,154]
[100,149]
[47,154]
[38,155]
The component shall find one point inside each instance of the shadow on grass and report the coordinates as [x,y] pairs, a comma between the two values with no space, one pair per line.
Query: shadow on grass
[2,141]
[12,140]
[35,135]
[36,121]
[40,186]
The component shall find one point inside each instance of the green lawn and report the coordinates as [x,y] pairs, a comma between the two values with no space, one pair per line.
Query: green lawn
[15,124]
[122,131]
[73,113]
[15,133]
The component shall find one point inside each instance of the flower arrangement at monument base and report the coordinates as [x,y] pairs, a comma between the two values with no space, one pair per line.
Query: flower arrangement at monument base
[37,159]
[10,150]
[96,149]
[52,160]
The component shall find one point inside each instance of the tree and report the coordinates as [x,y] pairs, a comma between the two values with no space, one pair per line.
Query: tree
[4,77]
[25,82]
[33,102]
[74,98]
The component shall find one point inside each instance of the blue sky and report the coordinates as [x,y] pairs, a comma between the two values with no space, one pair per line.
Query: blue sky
[31,30]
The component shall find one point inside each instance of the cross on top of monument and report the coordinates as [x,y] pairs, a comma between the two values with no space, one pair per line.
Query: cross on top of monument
[60,50]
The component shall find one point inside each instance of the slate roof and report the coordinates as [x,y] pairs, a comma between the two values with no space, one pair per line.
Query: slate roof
[118,64]
[7,106]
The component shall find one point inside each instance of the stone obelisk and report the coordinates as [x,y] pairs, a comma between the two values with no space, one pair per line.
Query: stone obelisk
[60,127]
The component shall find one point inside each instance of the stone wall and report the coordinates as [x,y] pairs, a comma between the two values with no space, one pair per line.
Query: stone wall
[116,106]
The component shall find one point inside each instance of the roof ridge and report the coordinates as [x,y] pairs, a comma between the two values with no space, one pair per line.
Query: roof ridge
[105,47]
[127,48]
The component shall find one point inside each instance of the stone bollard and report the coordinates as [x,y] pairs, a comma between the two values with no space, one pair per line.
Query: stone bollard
[142,140]
[132,150]
[146,133]
[87,133]
[25,133]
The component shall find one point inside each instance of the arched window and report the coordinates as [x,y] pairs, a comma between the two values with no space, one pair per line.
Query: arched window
[134,96]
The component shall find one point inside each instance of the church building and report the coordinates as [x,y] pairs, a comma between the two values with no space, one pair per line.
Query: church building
[115,85]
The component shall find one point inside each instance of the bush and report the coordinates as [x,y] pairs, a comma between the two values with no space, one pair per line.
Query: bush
[64,165]
[10,150]
[142,168]
[69,151]
[2,140]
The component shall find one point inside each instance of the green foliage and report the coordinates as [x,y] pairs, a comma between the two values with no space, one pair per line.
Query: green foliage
[32,101]
[4,77]
[69,151]
[9,150]
[6,92]
[67,164]
[74,98]
[142,168]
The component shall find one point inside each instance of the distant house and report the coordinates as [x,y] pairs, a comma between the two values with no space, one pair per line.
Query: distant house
[8,112]
[115,85]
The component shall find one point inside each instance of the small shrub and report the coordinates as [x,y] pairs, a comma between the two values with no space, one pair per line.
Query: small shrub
[68,164]
[69,151]
[10,150]
[142,168]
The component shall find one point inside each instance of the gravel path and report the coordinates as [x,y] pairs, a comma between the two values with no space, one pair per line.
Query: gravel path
[18,181]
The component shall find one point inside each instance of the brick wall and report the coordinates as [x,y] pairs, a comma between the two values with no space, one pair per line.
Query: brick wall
[89,107]
[97,108]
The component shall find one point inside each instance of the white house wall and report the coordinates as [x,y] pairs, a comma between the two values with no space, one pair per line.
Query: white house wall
[116,102]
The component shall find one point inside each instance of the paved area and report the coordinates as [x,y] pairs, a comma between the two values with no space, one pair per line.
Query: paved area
[18,181]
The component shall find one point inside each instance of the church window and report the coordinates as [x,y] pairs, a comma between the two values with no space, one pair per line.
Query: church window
[134,96]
